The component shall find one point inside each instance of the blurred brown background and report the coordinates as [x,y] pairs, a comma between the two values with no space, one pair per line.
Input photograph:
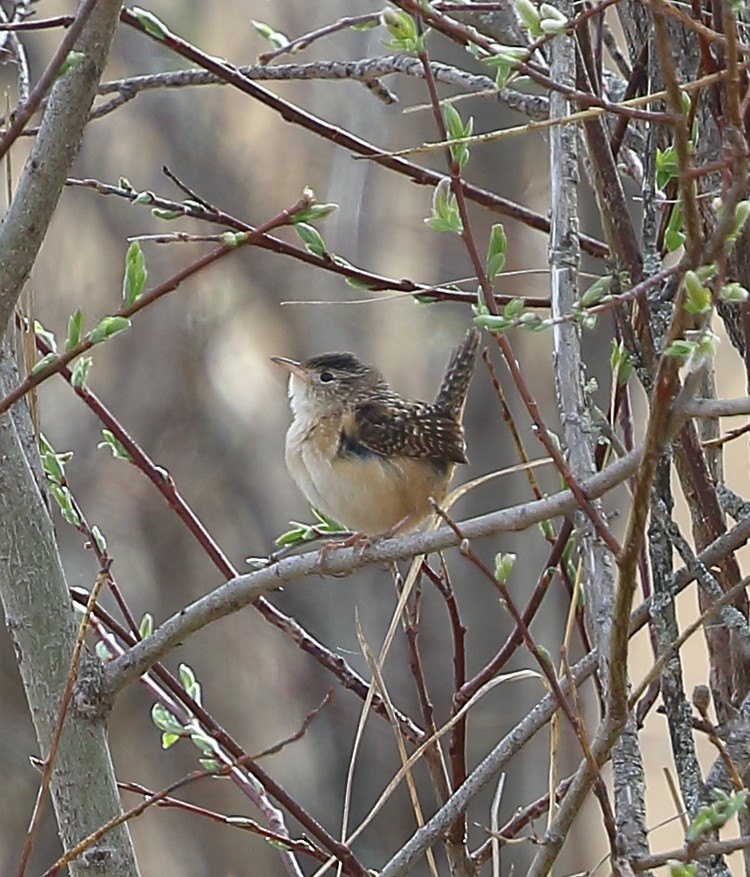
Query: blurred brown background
[193,384]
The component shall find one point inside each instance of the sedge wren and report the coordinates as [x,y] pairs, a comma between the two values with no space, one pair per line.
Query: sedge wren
[364,455]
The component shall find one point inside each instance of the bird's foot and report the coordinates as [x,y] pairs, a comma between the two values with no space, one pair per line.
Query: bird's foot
[358,540]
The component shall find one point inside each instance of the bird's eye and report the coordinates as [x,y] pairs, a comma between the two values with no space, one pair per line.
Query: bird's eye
[325,377]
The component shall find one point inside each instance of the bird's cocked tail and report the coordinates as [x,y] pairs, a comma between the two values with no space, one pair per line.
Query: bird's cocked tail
[455,384]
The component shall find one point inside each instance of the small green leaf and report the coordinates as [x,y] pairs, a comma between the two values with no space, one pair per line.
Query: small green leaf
[621,364]
[680,348]
[277,844]
[143,198]
[327,524]
[528,15]
[552,20]
[103,651]
[239,821]
[506,60]
[99,540]
[682,869]
[445,214]
[277,39]
[211,764]
[514,308]
[480,309]
[165,721]
[64,499]
[53,467]
[674,236]
[703,351]
[161,213]
[42,364]
[403,28]
[547,10]
[502,74]
[714,816]
[119,451]
[150,23]
[547,529]
[531,321]
[311,238]
[202,740]
[351,281]
[81,370]
[75,329]
[71,517]
[706,272]
[507,55]
[234,238]
[72,60]
[504,563]
[108,327]
[356,283]
[299,533]
[493,323]
[135,276]
[46,336]
[451,224]
[146,627]
[314,212]
[673,239]
[44,446]
[545,657]
[667,166]
[698,298]
[594,294]
[168,739]
[733,292]
[496,250]
[187,676]
[456,131]
[552,26]
[741,213]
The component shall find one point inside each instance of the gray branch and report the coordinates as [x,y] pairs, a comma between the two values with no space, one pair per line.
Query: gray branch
[581,436]
[367,71]
[34,595]
[663,613]
[241,591]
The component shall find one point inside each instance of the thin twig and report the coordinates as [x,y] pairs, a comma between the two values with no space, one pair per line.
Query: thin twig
[25,112]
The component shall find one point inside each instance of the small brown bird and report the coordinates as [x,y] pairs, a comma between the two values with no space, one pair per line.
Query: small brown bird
[364,455]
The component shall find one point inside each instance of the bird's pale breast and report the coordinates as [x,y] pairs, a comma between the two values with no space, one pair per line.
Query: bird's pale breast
[367,493]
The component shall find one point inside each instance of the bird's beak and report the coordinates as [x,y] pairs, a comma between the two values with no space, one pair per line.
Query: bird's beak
[293,366]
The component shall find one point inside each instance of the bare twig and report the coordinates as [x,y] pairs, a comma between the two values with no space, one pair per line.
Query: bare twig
[24,112]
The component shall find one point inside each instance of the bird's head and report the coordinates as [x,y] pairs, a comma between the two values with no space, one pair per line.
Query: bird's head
[328,383]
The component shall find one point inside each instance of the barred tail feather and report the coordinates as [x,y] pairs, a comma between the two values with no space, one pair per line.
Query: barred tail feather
[455,384]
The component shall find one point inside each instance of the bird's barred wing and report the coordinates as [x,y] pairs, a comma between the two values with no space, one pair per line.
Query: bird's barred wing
[411,429]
